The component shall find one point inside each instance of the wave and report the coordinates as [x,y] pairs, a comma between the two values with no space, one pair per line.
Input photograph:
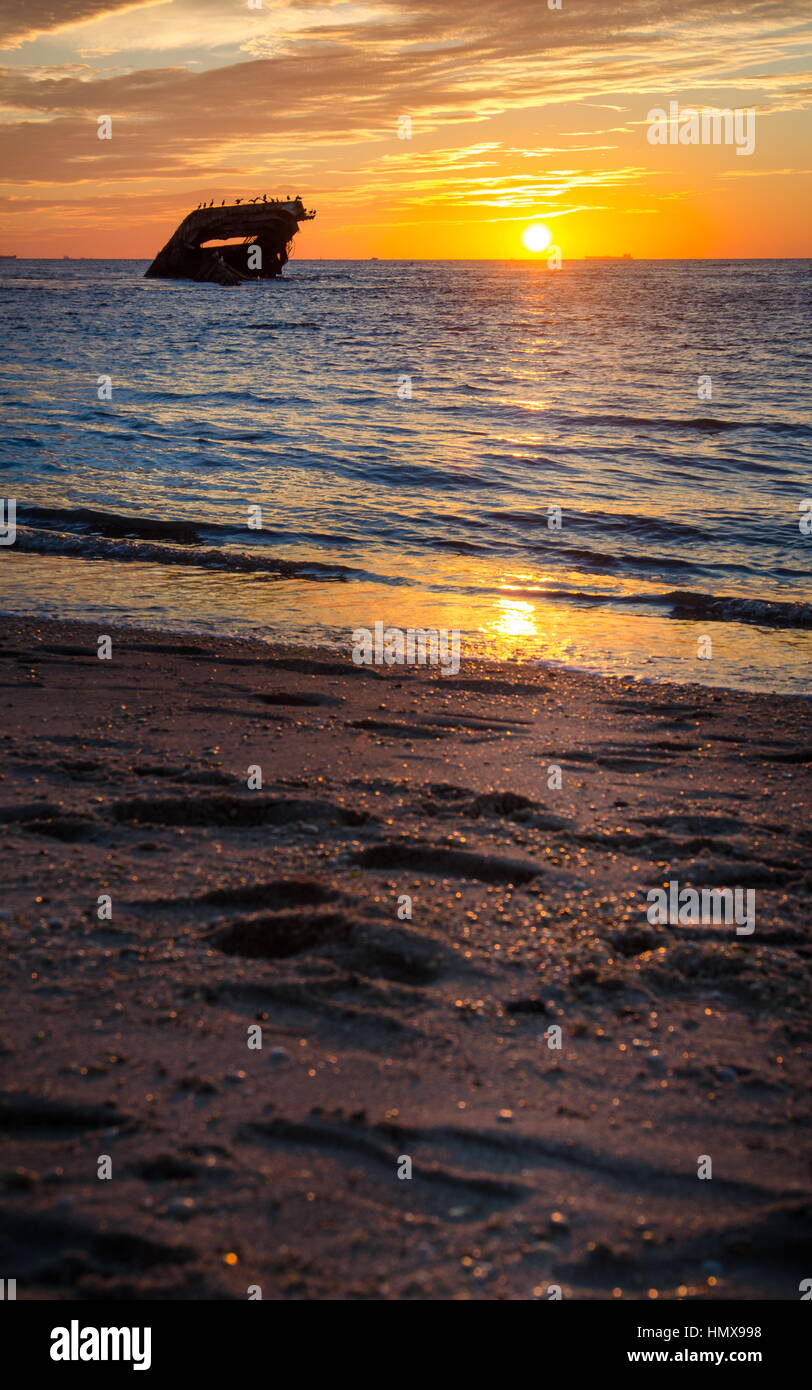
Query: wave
[705,424]
[95,547]
[112,524]
[625,523]
[603,562]
[761,612]
[95,533]
[702,424]
[716,608]
[682,604]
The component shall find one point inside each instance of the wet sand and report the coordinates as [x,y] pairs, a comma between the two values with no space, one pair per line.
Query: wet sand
[386,1038]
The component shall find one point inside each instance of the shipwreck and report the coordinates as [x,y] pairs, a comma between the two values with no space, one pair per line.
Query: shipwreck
[230,244]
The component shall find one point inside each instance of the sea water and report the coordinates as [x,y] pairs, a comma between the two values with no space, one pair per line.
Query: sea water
[603,466]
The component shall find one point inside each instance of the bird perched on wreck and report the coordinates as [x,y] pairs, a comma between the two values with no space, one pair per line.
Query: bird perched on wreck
[271,227]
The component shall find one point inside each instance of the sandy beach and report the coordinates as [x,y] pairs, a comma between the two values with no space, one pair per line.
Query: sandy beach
[129,1026]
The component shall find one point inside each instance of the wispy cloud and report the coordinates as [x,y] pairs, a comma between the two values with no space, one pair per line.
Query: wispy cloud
[209,92]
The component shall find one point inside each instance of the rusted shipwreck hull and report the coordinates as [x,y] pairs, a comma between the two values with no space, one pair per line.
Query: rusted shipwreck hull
[267,229]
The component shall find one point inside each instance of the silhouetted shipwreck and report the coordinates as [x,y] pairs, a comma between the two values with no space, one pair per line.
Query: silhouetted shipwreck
[267,230]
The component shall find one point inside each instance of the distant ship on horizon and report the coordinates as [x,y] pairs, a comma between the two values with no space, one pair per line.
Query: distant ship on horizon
[624,257]
[4,256]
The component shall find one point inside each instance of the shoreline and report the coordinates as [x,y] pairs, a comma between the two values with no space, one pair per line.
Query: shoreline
[331,648]
[538,1157]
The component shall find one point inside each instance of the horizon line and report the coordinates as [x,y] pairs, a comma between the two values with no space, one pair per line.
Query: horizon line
[447,260]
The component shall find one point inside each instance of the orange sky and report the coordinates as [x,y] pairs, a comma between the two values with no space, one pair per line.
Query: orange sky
[519,112]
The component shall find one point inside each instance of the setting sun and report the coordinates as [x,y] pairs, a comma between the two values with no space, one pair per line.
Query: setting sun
[537,237]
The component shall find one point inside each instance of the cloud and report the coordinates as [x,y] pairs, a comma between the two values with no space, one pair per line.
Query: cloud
[316,90]
[764,173]
[21,20]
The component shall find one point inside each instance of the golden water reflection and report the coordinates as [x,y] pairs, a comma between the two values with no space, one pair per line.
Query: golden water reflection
[515,618]
[520,629]
[546,628]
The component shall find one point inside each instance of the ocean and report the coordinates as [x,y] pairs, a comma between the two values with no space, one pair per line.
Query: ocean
[603,466]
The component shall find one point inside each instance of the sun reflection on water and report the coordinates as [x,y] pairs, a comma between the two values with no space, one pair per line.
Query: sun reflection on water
[515,619]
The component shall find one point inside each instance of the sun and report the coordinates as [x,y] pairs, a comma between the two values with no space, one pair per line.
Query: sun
[537,237]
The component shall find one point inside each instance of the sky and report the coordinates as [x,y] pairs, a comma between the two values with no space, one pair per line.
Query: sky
[416,128]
